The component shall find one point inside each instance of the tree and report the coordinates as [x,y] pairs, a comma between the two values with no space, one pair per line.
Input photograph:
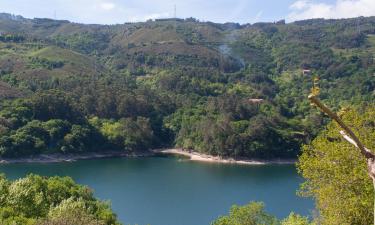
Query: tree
[295,219]
[79,139]
[254,214]
[55,104]
[129,134]
[57,129]
[71,211]
[251,214]
[336,174]
[35,200]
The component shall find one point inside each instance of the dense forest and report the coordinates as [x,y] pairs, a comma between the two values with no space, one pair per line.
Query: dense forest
[224,89]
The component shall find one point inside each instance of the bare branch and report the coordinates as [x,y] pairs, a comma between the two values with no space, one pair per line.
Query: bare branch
[351,137]
[351,141]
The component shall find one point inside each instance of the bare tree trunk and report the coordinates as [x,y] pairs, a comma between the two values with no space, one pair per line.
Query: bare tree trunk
[371,171]
[349,135]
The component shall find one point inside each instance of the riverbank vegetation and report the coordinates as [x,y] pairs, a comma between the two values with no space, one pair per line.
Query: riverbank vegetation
[227,90]
[36,200]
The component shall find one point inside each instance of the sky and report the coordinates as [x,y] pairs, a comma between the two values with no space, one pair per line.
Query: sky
[241,11]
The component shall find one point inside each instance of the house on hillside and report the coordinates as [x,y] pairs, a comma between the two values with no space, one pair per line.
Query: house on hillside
[306,72]
[256,100]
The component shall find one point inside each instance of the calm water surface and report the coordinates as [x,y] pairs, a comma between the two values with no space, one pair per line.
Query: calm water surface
[173,191]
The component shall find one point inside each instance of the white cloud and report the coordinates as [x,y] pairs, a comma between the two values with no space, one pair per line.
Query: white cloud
[107,6]
[306,9]
[299,5]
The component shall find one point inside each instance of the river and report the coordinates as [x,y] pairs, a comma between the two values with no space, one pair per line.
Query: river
[175,191]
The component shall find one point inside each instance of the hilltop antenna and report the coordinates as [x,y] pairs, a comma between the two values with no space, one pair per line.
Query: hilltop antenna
[54,15]
[175,11]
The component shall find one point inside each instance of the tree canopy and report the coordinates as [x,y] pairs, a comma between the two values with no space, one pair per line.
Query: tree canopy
[336,173]
[254,214]
[35,200]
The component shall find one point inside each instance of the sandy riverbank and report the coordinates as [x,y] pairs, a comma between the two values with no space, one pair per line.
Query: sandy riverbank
[195,156]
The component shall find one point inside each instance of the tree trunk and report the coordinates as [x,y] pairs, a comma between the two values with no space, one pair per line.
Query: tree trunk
[371,172]
[373,182]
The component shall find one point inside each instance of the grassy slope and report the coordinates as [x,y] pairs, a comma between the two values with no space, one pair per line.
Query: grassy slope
[17,59]
[74,63]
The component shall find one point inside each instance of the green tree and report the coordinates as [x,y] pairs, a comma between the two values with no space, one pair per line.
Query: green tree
[254,214]
[295,219]
[54,104]
[79,139]
[71,211]
[35,200]
[251,214]
[336,173]
[57,129]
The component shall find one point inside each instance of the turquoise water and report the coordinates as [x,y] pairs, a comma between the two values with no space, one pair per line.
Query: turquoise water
[174,191]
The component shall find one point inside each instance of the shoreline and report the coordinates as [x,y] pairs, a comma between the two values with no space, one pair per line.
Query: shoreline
[199,157]
[191,155]
[59,157]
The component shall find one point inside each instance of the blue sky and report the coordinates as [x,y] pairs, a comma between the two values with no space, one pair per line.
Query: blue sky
[242,11]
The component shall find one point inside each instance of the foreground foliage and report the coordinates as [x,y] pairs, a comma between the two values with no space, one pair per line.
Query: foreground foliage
[336,172]
[254,214]
[35,200]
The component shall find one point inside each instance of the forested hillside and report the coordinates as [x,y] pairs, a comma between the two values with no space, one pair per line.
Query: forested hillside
[223,89]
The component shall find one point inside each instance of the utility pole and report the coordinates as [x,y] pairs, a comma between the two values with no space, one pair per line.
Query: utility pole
[175,17]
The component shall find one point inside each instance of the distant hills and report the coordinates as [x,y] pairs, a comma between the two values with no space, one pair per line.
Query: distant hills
[193,80]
